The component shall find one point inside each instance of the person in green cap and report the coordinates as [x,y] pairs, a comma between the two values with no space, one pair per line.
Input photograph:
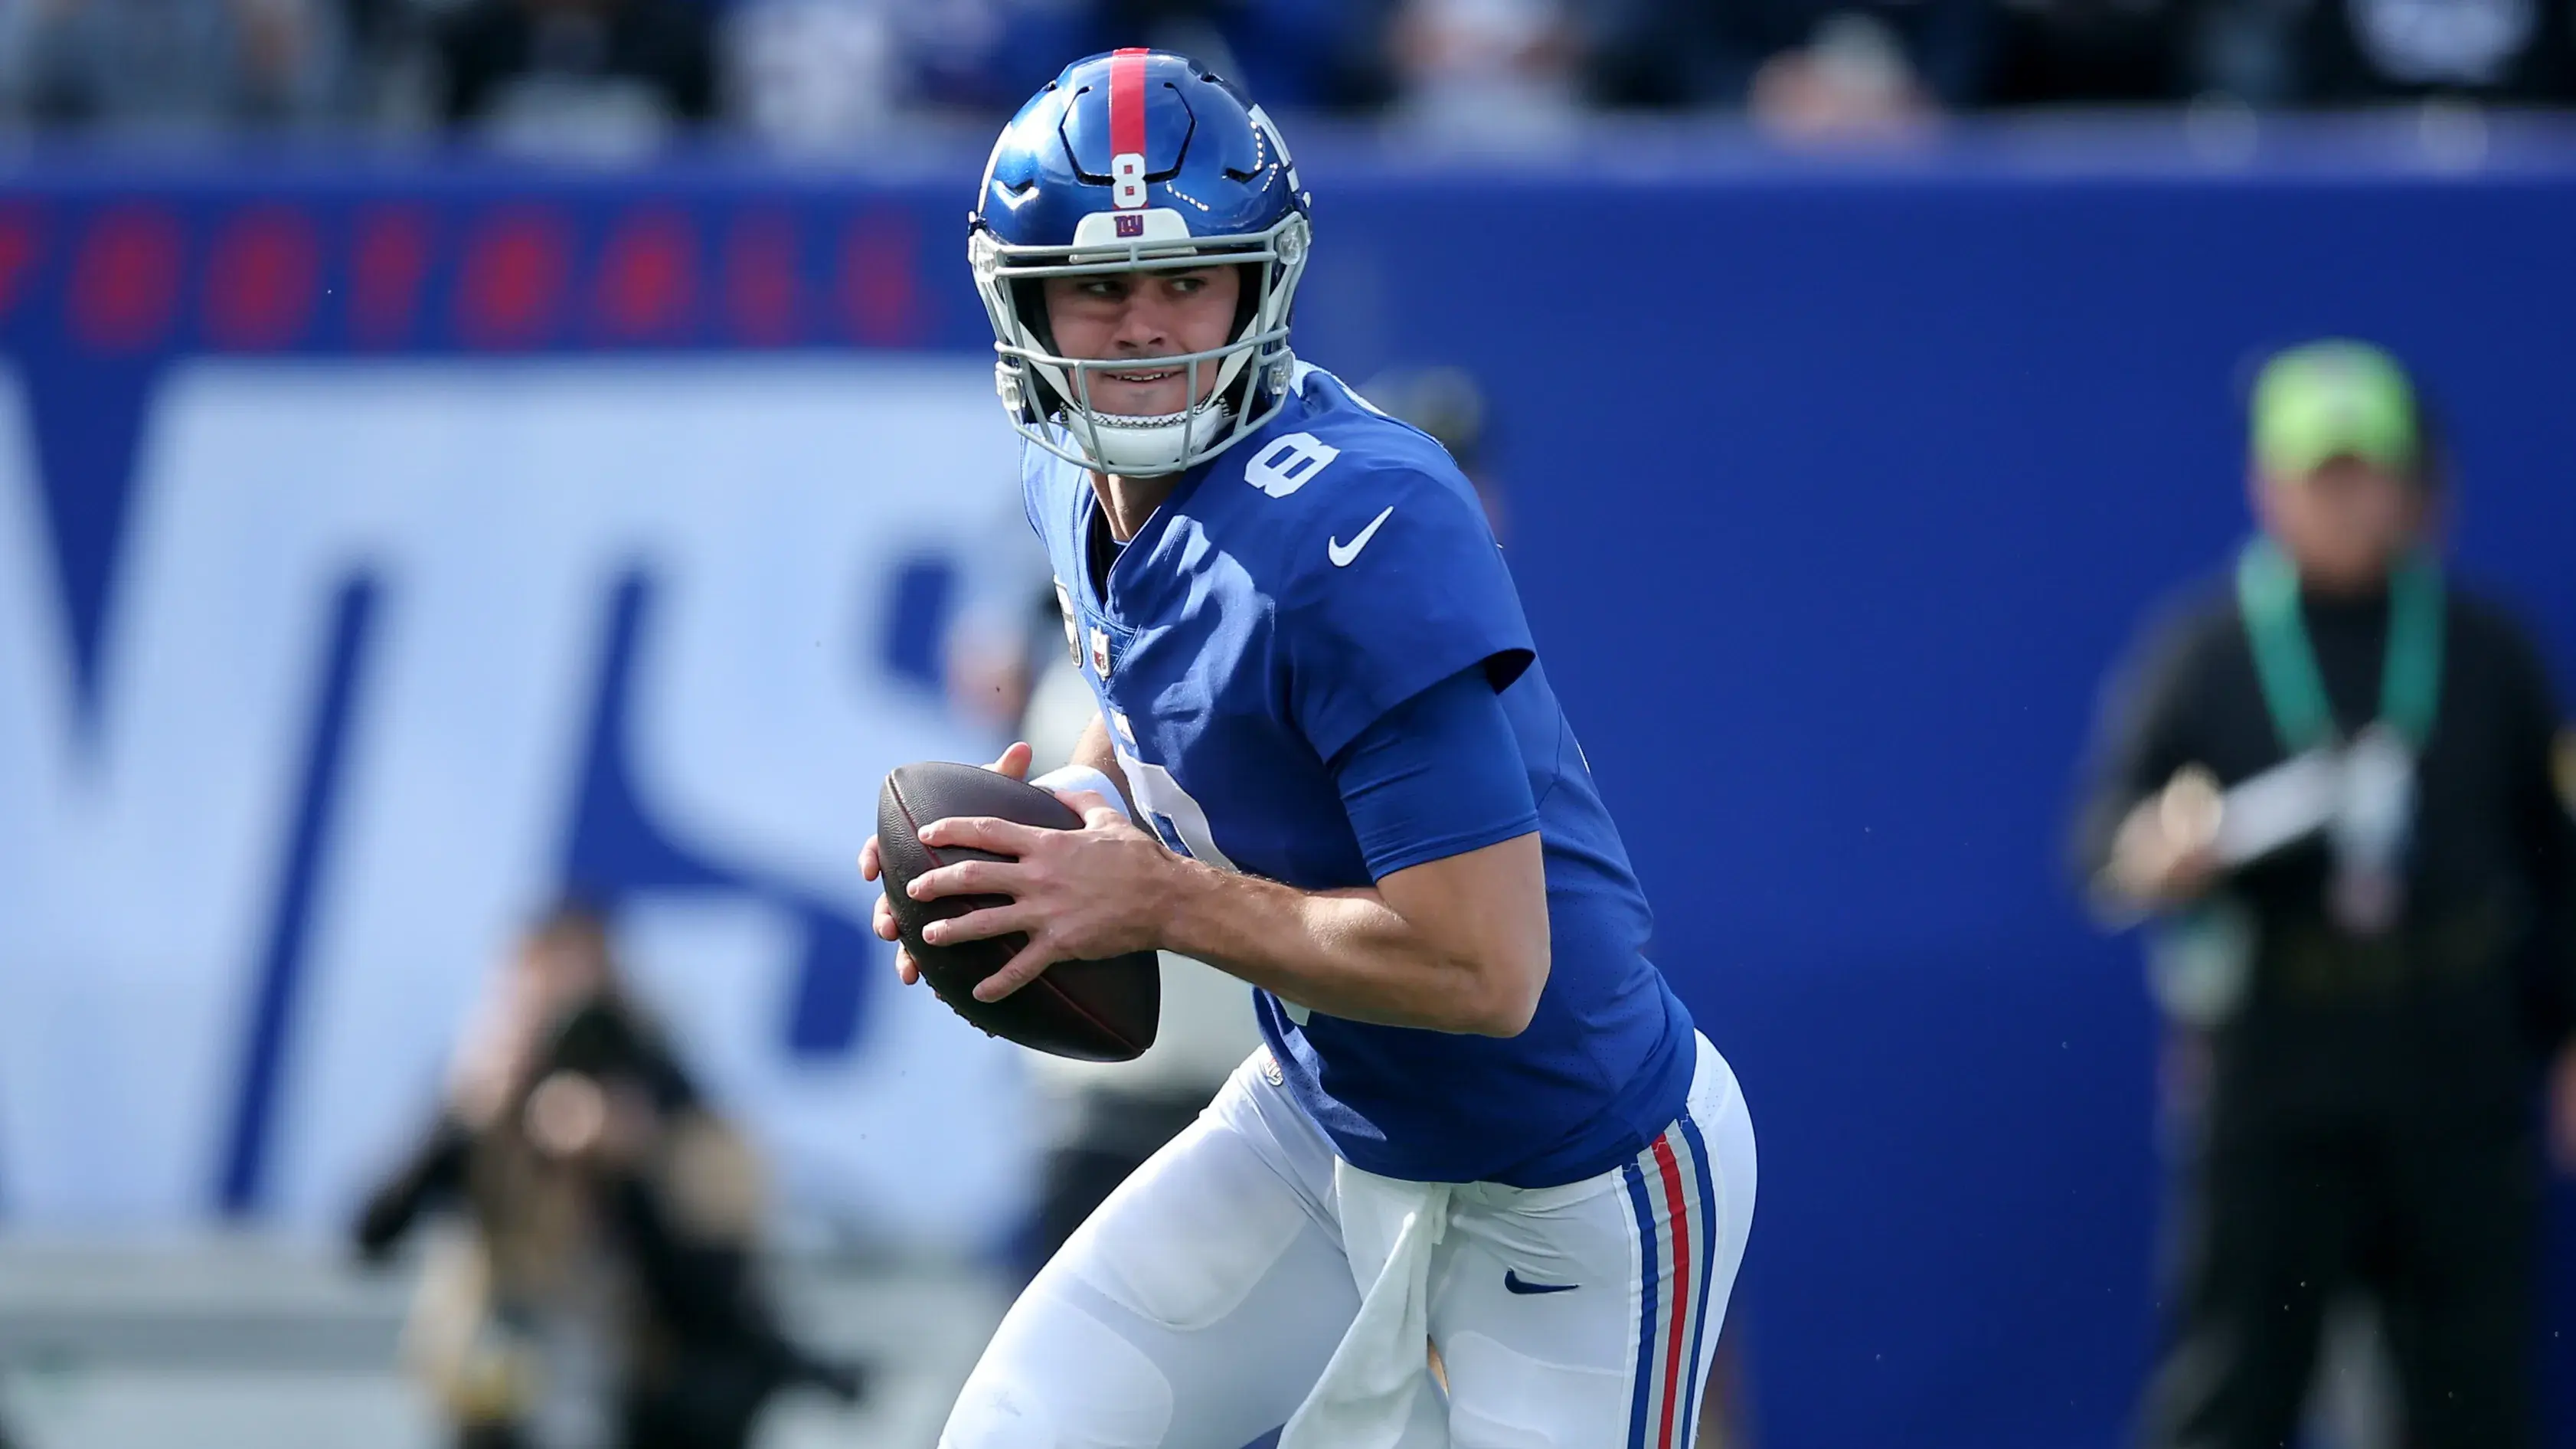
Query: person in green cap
[2327,791]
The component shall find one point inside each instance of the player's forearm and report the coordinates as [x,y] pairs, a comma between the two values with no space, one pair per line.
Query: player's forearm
[1344,953]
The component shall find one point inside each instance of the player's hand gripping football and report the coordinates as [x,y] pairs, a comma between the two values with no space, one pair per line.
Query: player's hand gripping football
[1078,895]
[1013,763]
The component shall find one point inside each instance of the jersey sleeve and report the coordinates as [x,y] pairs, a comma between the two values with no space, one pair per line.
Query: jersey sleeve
[1439,775]
[1399,586]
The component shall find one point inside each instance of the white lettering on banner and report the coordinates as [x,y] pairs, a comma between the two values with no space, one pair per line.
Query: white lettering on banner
[769,506]
[132,869]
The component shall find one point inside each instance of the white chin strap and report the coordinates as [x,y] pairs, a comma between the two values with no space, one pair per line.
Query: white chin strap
[1146,447]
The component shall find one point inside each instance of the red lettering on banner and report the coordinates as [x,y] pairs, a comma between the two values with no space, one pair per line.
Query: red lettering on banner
[516,269]
[21,241]
[880,281]
[649,276]
[391,262]
[760,279]
[262,278]
[125,283]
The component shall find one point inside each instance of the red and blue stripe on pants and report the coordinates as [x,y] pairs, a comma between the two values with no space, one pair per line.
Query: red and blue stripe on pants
[1670,1195]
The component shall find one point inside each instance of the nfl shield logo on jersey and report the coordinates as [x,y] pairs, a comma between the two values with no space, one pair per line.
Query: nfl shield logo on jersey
[1100,652]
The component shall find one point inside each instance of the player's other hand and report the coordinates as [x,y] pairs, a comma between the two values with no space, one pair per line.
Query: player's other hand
[1014,763]
[2166,851]
[1078,895]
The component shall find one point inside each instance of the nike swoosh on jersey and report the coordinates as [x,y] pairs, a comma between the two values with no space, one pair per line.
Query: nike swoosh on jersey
[1514,1282]
[1342,553]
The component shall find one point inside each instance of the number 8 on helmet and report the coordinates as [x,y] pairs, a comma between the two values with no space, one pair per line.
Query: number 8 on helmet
[1139,161]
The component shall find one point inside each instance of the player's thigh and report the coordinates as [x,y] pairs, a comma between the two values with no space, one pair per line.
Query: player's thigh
[1194,1309]
[1573,1316]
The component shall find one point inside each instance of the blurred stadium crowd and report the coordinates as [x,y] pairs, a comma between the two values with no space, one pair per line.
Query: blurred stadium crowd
[620,76]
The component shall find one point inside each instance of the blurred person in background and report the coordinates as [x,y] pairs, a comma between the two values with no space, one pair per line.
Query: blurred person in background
[589,77]
[608,1296]
[2357,52]
[1296,54]
[815,74]
[978,57]
[2331,786]
[1803,69]
[1465,67]
[167,66]
[2094,52]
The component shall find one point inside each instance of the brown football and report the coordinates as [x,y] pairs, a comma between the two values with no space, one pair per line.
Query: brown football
[1093,1011]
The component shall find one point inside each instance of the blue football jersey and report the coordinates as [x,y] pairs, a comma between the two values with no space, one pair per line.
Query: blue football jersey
[1285,597]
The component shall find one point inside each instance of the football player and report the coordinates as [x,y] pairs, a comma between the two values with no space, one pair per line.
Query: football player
[1480,1116]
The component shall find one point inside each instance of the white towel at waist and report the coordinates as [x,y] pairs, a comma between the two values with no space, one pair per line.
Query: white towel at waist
[1364,1398]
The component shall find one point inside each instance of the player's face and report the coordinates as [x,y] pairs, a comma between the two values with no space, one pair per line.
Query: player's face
[1144,315]
[2345,523]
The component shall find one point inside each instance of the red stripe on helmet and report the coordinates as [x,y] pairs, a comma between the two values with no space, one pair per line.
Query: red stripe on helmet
[1127,102]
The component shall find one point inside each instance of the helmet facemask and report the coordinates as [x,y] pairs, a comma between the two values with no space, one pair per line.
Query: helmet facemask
[1048,395]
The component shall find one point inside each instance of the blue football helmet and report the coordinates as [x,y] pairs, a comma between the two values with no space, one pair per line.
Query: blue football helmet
[1138,160]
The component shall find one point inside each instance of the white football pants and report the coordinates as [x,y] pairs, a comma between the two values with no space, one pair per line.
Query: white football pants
[1197,1306]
